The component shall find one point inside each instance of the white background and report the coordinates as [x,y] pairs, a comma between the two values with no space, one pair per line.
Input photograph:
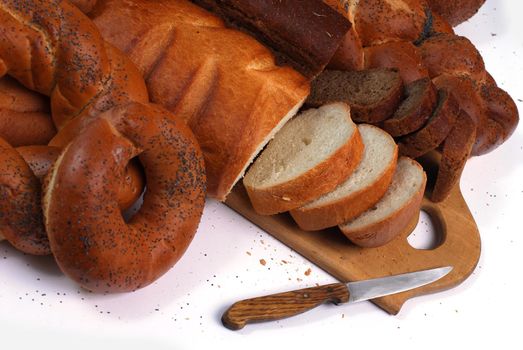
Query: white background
[39,307]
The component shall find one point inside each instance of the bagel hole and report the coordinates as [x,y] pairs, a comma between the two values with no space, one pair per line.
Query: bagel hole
[427,235]
[131,211]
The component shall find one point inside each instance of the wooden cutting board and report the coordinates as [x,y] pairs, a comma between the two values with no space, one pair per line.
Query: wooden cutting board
[460,245]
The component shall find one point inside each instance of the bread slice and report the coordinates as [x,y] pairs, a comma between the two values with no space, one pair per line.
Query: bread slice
[360,191]
[415,110]
[435,130]
[373,94]
[456,151]
[379,225]
[309,156]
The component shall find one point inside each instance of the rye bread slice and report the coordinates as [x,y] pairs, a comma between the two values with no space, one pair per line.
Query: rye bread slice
[311,155]
[435,130]
[415,110]
[373,94]
[367,184]
[456,151]
[396,209]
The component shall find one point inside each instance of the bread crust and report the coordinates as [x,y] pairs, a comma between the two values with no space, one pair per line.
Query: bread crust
[456,151]
[452,54]
[90,241]
[350,54]
[223,83]
[346,208]
[378,21]
[400,55]
[434,132]
[303,34]
[457,11]
[382,232]
[414,117]
[466,93]
[319,180]
[25,118]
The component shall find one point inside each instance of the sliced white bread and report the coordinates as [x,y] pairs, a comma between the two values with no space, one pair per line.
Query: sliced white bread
[311,155]
[380,224]
[364,188]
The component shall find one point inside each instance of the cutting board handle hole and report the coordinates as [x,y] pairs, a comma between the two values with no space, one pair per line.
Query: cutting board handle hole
[428,234]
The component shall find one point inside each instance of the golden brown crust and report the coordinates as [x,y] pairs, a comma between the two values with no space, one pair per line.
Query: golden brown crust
[401,55]
[41,158]
[89,238]
[382,232]
[350,55]
[21,221]
[232,99]
[452,54]
[25,118]
[346,208]
[378,21]
[319,180]
[466,93]
[51,47]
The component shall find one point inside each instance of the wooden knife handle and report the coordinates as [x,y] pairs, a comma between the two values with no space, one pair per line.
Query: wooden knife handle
[282,305]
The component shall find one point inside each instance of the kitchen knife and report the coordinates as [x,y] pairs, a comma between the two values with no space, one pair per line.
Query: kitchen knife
[282,305]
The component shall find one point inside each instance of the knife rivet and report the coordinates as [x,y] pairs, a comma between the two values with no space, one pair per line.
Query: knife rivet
[305,295]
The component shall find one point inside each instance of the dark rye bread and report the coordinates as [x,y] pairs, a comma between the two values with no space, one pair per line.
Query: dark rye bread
[456,151]
[373,94]
[415,109]
[303,34]
[435,130]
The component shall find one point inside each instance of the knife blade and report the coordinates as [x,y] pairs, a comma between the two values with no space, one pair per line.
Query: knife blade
[286,304]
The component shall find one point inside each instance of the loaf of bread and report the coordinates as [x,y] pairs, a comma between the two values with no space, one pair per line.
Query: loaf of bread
[303,34]
[427,46]
[222,82]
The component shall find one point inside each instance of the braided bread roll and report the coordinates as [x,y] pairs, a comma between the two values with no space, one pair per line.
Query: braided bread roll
[406,35]
[54,49]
